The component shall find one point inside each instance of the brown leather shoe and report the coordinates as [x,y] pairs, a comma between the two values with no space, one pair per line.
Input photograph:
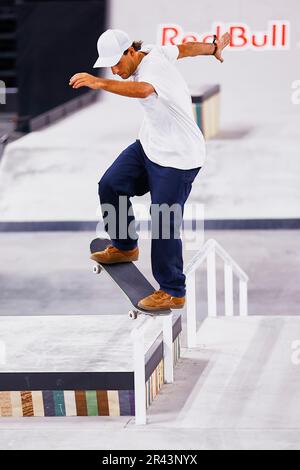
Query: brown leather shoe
[160,300]
[113,255]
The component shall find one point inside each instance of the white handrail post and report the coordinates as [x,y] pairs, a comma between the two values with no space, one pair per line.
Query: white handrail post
[168,349]
[228,281]
[243,298]
[191,310]
[137,335]
[211,283]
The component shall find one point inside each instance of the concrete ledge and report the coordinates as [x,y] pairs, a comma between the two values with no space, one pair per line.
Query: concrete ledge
[87,374]
[90,225]
[62,111]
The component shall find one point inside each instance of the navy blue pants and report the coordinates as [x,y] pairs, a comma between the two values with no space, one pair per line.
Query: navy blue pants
[133,174]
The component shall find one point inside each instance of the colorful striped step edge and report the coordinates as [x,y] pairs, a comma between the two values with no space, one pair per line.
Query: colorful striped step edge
[67,403]
[47,403]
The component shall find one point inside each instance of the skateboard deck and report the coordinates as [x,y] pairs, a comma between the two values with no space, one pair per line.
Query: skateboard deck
[129,279]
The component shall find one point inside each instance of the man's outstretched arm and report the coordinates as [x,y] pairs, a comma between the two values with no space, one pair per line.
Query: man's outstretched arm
[193,49]
[129,89]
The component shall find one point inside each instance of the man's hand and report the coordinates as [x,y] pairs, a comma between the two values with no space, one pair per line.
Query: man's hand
[85,79]
[223,42]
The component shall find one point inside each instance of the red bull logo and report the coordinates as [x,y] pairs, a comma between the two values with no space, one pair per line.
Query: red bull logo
[275,37]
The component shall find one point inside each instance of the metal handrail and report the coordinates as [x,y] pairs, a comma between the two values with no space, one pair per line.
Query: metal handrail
[201,256]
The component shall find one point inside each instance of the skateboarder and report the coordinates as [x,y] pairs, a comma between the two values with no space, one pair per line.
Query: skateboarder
[164,160]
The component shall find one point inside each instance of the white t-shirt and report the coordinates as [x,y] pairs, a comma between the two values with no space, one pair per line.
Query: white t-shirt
[169,133]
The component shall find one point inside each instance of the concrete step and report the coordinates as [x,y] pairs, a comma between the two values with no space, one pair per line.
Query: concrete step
[244,374]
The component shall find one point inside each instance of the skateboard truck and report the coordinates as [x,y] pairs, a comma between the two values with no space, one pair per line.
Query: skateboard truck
[133,314]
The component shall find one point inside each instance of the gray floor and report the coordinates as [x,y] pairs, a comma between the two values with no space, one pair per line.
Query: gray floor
[51,274]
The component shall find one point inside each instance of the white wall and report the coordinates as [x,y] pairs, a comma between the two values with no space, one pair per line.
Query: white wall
[256,85]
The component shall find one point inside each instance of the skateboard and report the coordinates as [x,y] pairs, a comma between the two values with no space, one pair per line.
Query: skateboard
[129,279]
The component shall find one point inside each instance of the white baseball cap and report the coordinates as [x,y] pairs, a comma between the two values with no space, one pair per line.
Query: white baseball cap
[111,46]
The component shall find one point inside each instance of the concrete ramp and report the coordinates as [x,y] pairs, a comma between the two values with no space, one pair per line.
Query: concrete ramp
[52,174]
[239,385]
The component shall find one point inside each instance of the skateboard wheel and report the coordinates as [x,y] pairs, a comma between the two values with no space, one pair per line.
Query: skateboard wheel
[133,315]
[97,269]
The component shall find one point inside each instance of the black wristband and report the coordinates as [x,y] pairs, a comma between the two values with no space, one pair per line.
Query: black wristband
[214,42]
